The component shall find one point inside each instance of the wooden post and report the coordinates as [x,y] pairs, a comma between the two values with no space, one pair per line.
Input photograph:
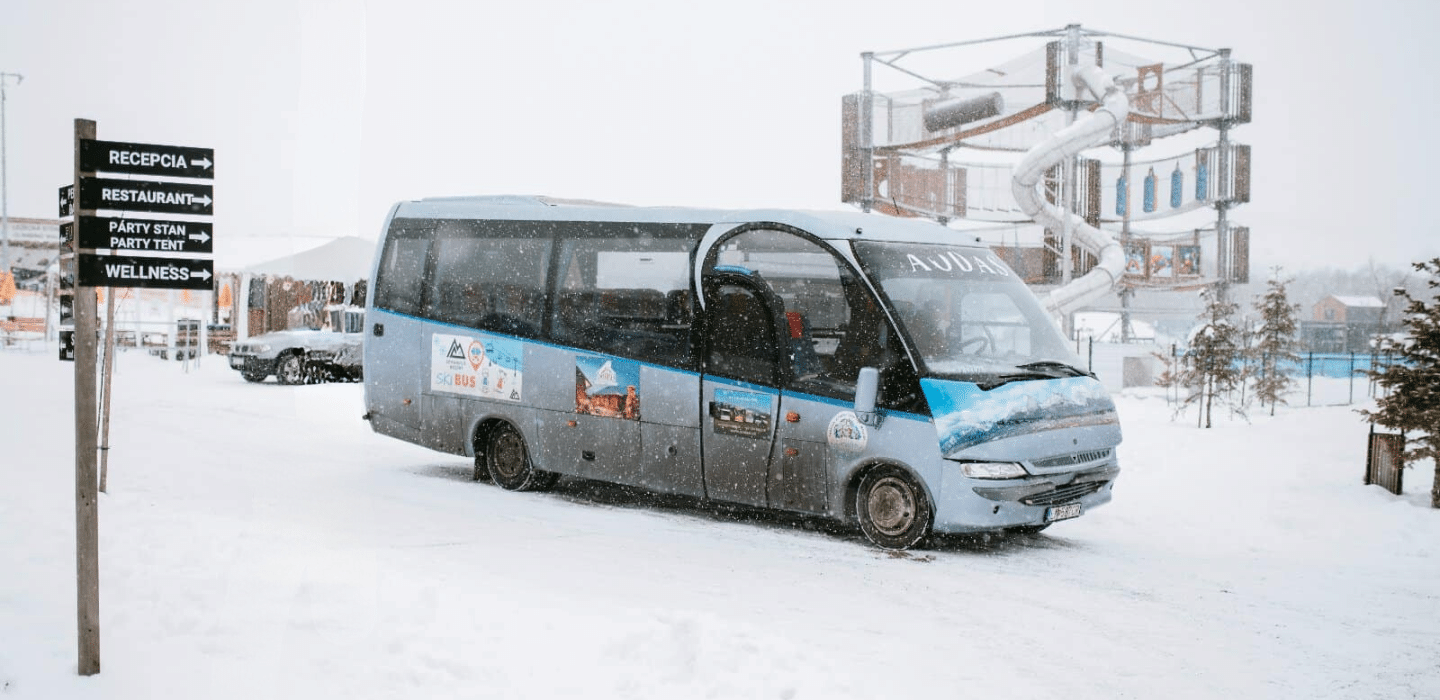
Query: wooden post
[87,520]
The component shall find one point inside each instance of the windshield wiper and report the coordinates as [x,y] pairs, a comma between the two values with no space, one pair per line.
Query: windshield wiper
[1068,369]
[1001,379]
[1044,369]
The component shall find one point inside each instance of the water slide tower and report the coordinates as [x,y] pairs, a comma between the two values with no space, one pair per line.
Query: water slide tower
[1096,164]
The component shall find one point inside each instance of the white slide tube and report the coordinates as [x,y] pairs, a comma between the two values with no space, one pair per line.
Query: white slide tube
[1094,130]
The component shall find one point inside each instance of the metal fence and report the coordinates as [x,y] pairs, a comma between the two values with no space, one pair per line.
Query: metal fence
[1326,379]
[1353,368]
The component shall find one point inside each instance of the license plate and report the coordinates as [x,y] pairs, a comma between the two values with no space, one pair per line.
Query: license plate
[1065,512]
[237,362]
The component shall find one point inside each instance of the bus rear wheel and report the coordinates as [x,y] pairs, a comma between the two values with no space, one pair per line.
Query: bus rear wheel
[507,461]
[892,508]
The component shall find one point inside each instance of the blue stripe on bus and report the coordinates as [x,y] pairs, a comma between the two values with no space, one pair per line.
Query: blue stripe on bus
[889,412]
[668,368]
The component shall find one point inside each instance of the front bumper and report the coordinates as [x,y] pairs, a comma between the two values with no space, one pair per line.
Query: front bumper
[250,364]
[975,505]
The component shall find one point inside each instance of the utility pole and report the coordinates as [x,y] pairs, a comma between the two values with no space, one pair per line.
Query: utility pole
[4,185]
[1223,248]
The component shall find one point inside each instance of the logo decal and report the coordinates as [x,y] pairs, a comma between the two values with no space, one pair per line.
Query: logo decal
[846,432]
[487,367]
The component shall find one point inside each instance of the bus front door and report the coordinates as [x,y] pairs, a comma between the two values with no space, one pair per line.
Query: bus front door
[737,434]
[739,395]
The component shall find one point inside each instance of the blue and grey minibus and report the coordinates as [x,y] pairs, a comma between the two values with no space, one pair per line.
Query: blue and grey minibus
[885,372]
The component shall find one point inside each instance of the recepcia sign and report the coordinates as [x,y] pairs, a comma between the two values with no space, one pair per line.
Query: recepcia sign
[135,271]
[146,159]
[145,195]
[147,235]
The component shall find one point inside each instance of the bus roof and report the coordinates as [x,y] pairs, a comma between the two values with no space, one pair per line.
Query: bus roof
[825,224]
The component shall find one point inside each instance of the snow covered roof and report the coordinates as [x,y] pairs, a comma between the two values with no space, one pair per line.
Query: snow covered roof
[1368,302]
[341,260]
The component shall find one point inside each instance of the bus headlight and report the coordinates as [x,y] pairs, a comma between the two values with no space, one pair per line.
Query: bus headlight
[992,470]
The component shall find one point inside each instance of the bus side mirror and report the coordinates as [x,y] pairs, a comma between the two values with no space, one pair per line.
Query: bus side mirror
[867,387]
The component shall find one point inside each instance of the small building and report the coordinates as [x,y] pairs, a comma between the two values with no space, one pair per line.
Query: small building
[34,246]
[1341,324]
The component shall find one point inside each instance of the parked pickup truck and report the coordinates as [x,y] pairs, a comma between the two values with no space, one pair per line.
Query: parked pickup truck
[306,355]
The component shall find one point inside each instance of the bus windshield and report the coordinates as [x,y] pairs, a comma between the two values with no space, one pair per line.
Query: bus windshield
[969,316]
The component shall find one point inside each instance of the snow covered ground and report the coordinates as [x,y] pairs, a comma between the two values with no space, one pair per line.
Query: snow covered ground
[259,541]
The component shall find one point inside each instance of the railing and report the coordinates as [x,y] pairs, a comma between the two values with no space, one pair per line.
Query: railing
[1326,379]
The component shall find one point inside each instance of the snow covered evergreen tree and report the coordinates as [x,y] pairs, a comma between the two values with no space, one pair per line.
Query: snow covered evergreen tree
[1412,400]
[1212,371]
[1275,344]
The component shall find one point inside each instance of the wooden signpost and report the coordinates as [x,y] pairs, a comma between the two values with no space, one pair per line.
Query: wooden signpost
[138,253]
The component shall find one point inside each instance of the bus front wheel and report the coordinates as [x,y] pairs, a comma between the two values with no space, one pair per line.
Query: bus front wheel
[893,510]
[508,462]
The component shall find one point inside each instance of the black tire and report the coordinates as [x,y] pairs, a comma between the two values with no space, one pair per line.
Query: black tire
[507,461]
[290,369]
[482,470]
[254,376]
[892,508]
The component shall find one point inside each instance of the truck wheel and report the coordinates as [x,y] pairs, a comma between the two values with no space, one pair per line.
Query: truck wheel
[893,510]
[291,369]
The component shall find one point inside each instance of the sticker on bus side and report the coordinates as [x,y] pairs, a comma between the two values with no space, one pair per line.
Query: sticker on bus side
[607,386]
[847,433]
[741,413]
[481,366]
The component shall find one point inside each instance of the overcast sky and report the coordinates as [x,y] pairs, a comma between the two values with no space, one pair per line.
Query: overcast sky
[322,114]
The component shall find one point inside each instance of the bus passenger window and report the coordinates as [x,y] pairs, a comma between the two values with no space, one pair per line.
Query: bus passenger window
[625,296]
[490,283]
[401,274]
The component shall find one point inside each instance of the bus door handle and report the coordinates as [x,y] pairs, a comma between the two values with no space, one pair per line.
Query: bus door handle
[379,330]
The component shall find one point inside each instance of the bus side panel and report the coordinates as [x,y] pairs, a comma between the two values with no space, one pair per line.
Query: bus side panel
[902,439]
[392,385]
[450,422]
[670,431]
[649,438]
[550,379]
[467,376]
[558,441]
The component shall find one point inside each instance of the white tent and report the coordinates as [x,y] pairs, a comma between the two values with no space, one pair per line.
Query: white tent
[341,260]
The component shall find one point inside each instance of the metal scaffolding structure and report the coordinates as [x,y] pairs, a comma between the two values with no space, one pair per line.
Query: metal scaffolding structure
[951,148]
